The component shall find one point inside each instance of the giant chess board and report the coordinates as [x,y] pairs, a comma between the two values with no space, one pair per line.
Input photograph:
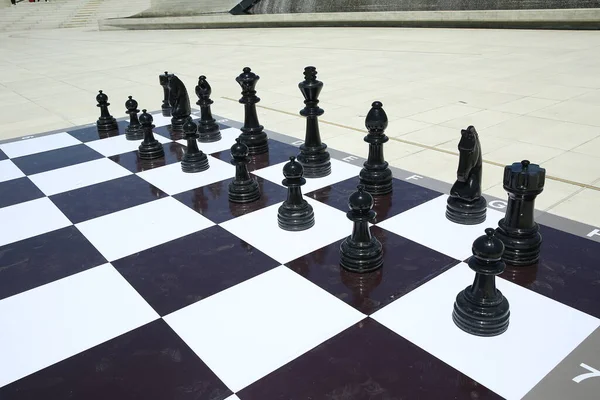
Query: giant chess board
[125,278]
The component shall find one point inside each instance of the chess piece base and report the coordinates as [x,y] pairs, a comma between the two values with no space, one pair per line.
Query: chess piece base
[315,161]
[361,258]
[257,142]
[244,191]
[522,246]
[464,212]
[377,181]
[134,133]
[209,132]
[178,122]
[485,319]
[296,218]
[151,151]
[196,162]
[107,124]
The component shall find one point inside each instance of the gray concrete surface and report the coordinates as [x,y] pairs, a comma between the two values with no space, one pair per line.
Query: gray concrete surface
[179,8]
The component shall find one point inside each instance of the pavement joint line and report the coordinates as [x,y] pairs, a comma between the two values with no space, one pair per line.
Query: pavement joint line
[424,146]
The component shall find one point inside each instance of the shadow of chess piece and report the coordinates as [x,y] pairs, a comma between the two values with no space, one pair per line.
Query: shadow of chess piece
[164,82]
[481,309]
[295,214]
[521,275]
[253,134]
[243,188]
[518,230]
[180,103]
[313,156]
[194,159]
[150,149]
[466,205]
[134,129]
[106,123]
[207,127]
[361,252]
[361,285]
[376,176]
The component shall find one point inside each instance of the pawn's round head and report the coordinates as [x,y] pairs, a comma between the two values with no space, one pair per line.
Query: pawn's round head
[101,96]
[145,118]
[293,169]
[131,104]
[361,200]
[488,246]
[190,127]
[239,149]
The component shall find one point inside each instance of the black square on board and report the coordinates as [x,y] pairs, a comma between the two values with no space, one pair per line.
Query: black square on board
[90,133]
[278,152]
[54,159]
[173,153]
[17,191]
[3,156]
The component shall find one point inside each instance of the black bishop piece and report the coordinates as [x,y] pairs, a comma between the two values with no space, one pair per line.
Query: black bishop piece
[376,175]
[481,309]
[243,188]
[518,230]
[164,82]
[207,127]
[134,129]
[194,160]
[150,148]
[295,214]
[106,122]
[253,134]
[313,156]
[361,252]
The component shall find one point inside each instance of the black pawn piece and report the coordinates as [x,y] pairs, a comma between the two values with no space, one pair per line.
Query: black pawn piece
[243,188]
[207,128]
[361,252]
[134,129]
[106,122]
[518,230]
[164,82]
[313,156]
[466,205]
[150,148]
[194,160]
[481,309]
[376,175]
[295,214]
[253,134]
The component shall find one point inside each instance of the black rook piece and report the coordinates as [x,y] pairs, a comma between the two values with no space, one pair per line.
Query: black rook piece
[253,134]
[376,175]
[194,160]
[180,103]
[243,188]
[134,130]
[361,252]
[313,153]
[466,205]
[207,128]
[106,122]
[164,82]
[481,309]
[150,148]
[518,230]
[295,214]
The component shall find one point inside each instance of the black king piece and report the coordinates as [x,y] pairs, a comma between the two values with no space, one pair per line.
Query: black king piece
[518,230]
[253,134]
[208,128]
[376,175]
[313,153]
[164,82]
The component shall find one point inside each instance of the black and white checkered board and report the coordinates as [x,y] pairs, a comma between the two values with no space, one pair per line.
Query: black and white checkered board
[121,279]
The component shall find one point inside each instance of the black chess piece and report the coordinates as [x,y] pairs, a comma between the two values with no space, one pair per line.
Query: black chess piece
[253,134]
[180,103]
[376,175]
[243,188]
[518,230]
[207,127]
[361,252]
[295,214]
[134,129]
[466,205]
[164,82]
[150,148]
[481,309]
[313,156]
[194,160]
[106,122]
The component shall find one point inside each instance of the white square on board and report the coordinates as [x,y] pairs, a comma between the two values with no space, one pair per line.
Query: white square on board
[9,171]
[25,147]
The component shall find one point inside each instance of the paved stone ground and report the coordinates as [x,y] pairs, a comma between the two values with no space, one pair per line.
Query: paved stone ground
[530,94]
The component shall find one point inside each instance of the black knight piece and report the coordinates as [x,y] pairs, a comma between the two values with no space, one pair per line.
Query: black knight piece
[253,134]
[207,127]
[106,122]
[134,129]
[313,156]
[194,160]
[180,103]
[243,188]
[150,148]
[164,82]
[481,309]
[466,205]
[295,214]
[376,175]
[518,230]
[361,252]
